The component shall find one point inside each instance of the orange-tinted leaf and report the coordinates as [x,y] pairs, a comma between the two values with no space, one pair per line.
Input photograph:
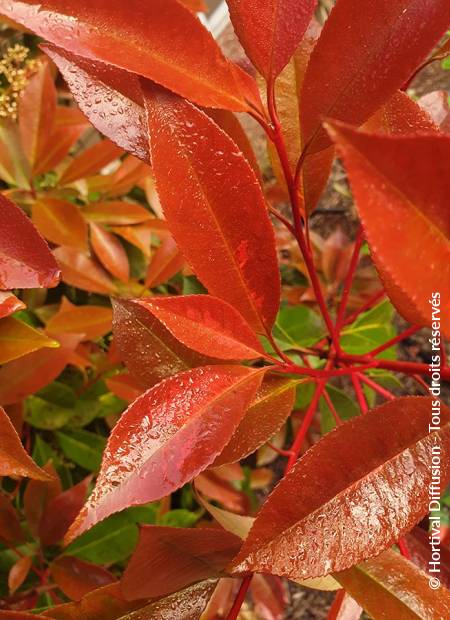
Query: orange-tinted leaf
[148,349]
[79,270]
[195,5]
[419,545]
[19,615]
[389,177]
[91,161]
[374,493]
[37,106]
[57,147]
[344,607]
[176,558]
[115,212]
[392,587]
[270,597]
[110,252]
[168,436]
[10,530]
[19,572]
[436,105]
[166,262]
[38,494]
[160,40]
[116,90]
[76,578]
[271,406]
[400,114]
[14,460]
[60,221]
[140,236]
[25,260]
[270,31]
[215,209]
[91,321]
[223,491]
[18,338]
[60,511]
[206,324]
[124,387]
[9,304]
[31,372]
[386,42]
[14,166]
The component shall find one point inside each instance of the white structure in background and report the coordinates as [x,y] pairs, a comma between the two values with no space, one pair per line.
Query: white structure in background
[217,19]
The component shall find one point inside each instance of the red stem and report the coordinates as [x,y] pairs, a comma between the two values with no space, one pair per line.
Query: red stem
[390,343]
[376,387]
[349,279]
[359,394]
[366,306]
[332,408]
[279,451]
[240,597]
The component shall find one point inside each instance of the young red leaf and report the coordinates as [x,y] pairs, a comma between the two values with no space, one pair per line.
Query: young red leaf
[91,161]
[116,212]
[79,270]
[140,236]
[390,181]
[57,147]
[269,410]
[176,558]
[25,260]
[10,530]
[148,349]
[166,437]
[37,496]
[335,525]
[166,262]
[223,491]
[76,578]
[270,597]
[91,321]
[14,460]
[17,339]
[60,512]
[270,31]
[419,545]
[353,71]
[9,304]
[206,324]
[19,572]
[124,387]
[110,252]
[214,207]
[392,587]
[400,114]
[60,221]
[160,40]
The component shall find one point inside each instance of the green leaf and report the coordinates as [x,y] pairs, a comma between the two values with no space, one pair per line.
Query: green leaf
[179,518]
[82,447]
[43,453]
[297,326]
[45,415]
[344,405]
[369,331]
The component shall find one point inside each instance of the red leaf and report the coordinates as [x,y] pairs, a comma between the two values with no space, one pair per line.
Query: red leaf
[110,252]
[373,494]
[176,558]
[37,496]
[9,304]
[166,262]
[14,460]
[124,387]
[270,597]
[148,349]
[60,221]
[58,146]
[392,587]
[353,71]
[10,530]
[206,324]
[19,572]
[116,212]
[90,161]
[269,410]
[116,90]
[14,166]
[419,542]
[91,321]
[400,114]
[77,578]
[83,272]
[25,260]
[344,607]
[390,180]
[270,31]
[214,207]
[223,491]
[166,437]
[60,512]
[160,40]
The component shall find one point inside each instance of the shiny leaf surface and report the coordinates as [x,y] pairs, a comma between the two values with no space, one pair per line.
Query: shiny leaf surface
[110,252]
[79,270]
[17,339]
[116,213]
[60,222]
[166,262]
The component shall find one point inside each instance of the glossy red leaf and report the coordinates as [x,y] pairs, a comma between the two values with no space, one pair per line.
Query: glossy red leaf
[269,410]
[9,304]
[19,572]
[215,209]
[270,597]
[166,437]
[353,71]
[76,578]
[389,586]
[110,252]
[119,213]
[116,90]
[60,512]
[91,321]
[90,161]
[37,496]
[166,262]
[14,460]
[148,349]
[223,491]
[25,260]
[160,40]
[418,543]
[270,31]
[60,222]
[400,115]
[206,324]
[37,107]
[176,557]
[374,493]
[10,530]
[390,181]
[18,338]
[79,270]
